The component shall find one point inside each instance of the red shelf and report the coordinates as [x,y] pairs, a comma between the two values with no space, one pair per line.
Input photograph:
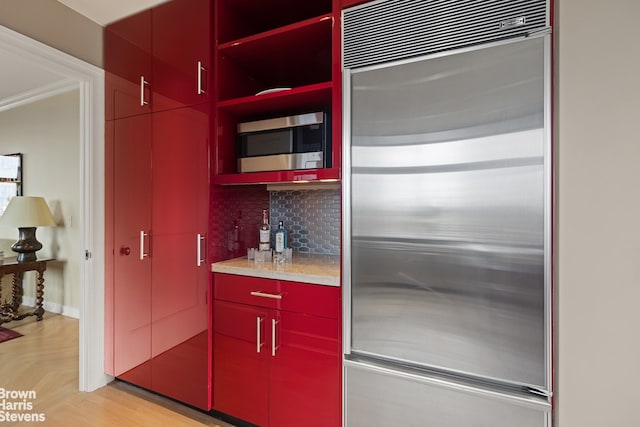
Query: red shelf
[299,33]
[237,19]
[311,95]
[298,54]
[305,175]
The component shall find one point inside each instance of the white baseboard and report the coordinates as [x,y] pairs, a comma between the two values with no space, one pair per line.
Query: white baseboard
[53,307]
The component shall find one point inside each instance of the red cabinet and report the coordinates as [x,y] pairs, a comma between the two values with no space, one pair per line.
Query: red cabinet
[180,273]
[159,307]
[132,265]
[276,351]
[128,65]
[181,53]
[241,361]
[304,386]
[158,59]
[157,81]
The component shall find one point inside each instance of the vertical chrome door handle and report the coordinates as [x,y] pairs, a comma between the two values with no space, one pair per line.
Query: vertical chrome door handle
[143,82]
[274,322]
[142,252]
[199,239]
[201,91]
[258,334]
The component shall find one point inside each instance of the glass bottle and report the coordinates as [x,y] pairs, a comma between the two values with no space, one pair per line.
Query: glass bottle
[265,233]
[280,238]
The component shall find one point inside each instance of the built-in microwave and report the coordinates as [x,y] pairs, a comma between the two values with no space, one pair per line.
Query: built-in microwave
[302,141]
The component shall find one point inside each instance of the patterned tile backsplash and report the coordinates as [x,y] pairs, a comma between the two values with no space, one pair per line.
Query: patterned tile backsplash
[311,218]
[230,206]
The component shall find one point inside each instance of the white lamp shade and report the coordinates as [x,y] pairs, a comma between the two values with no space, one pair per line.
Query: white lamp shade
[27,211]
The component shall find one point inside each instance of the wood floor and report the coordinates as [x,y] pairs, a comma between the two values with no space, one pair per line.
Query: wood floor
[45,360]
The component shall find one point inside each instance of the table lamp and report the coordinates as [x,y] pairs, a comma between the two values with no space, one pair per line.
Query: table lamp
[27,213]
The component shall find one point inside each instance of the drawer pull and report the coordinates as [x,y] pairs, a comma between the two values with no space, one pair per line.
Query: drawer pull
[266,295]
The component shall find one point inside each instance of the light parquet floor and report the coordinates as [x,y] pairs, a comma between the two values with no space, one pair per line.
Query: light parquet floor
[45,360]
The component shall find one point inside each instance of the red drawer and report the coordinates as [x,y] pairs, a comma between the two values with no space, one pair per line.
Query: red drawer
[318,300]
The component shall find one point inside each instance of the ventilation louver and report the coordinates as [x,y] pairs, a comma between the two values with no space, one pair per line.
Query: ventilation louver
[384,31]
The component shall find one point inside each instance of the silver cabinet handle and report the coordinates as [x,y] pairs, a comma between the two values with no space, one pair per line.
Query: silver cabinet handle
[199,239]
[201,91]
[258,333]
[274,322]
[143,82]
[142,252]
[266,295]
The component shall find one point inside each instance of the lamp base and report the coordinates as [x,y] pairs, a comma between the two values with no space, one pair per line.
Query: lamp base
[27,245]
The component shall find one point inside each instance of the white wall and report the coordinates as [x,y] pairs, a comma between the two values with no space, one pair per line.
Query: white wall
[598,213]
[47,133]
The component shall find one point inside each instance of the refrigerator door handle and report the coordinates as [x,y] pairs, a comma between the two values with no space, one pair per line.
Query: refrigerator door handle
[538,392]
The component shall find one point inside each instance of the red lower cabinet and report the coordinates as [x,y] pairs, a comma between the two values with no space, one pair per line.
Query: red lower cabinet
[276,367]
[241,362]
[304,374]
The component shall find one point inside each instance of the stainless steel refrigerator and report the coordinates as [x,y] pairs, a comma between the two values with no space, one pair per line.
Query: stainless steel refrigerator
[447,223]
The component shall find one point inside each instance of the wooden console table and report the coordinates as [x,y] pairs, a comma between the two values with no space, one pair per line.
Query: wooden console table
[11,310]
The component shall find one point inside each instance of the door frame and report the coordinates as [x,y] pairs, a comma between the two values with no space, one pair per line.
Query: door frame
[89,80]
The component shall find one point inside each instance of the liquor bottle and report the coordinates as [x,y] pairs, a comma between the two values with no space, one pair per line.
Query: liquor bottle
[265,233]
[280,238]
[233,238]
[241,233]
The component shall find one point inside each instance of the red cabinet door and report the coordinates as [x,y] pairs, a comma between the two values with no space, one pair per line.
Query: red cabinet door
[181,53]
[128,66]
[132,265]
[241,353]
[179,270]
[277,365]
[304,381]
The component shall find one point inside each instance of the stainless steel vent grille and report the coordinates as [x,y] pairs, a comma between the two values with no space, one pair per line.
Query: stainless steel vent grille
[388,30]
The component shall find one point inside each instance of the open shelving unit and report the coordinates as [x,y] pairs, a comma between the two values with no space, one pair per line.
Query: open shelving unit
[266,46]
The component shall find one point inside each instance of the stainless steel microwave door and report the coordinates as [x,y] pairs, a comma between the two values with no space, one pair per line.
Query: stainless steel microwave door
[447,212]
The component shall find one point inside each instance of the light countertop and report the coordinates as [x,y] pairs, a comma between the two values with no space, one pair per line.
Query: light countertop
[306,268]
